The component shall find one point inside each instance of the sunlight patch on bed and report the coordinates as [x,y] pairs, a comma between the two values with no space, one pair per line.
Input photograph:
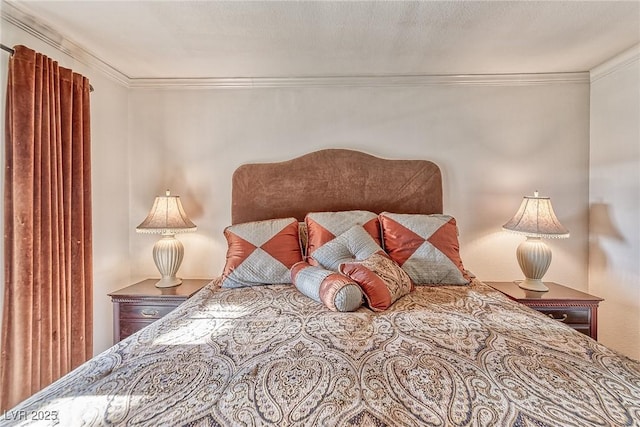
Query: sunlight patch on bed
[201,329]
[224,310]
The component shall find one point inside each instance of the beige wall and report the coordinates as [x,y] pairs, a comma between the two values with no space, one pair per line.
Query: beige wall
[110,178]
[614,262]
[494,143]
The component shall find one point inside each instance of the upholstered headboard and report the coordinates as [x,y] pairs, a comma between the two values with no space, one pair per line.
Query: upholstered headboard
[334,180]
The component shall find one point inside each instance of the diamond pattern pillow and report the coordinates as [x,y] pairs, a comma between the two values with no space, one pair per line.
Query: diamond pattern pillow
[335,291]
[322,227]
[381,279]
[425,246]
[261,252]
[354,244]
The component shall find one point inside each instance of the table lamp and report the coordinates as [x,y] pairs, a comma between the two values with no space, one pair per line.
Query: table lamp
[167,217]
[536,220]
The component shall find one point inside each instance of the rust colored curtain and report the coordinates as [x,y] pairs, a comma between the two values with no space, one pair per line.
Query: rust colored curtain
[47,315]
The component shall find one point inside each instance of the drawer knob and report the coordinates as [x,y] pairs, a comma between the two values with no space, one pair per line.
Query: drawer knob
[559,319]
[149,313]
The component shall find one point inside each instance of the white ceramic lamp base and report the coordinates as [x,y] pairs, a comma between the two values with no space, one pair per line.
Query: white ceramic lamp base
[534,257]
[167,254]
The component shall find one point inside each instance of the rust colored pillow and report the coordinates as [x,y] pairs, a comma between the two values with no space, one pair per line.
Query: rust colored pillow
[261,252]
[425,246]
[381,279]
[323,227]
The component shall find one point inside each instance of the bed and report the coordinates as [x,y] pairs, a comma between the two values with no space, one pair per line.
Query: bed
[269,355]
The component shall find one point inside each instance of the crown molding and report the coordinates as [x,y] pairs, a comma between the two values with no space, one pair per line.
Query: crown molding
[22,19]
[361,81]
[616,63]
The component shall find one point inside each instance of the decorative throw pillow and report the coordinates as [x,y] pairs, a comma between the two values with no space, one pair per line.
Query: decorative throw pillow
[337,292]
[322,227]
[353,244]
[381,279]
[261,252]
[425,246]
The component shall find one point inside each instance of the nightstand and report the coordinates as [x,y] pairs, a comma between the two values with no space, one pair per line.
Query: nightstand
[141,304]
[577,309]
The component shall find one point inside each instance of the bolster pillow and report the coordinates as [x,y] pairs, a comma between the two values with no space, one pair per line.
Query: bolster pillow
[336,291]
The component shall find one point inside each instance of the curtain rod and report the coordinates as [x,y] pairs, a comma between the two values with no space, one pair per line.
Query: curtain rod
[7,49]
[11,52]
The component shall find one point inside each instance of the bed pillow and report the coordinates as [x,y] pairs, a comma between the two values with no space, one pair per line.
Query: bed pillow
[335,291]
[261,252]
[425,246]
[322,227]
[354,244]
[381,279]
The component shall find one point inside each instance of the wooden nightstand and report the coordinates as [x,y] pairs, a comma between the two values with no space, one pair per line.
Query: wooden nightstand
[577,309]
[141,304]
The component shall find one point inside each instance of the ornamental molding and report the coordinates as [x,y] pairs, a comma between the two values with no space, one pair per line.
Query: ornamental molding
[617,63]
[22,19]
[362,81]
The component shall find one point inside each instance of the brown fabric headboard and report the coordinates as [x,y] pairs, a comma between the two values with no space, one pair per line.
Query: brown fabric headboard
[334,180]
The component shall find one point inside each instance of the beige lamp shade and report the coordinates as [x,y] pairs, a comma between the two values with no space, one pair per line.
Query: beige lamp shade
[536,220]
[167,217]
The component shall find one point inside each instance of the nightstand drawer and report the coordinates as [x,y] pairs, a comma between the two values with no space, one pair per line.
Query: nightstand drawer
[145,311]
[130,327]
[572,315]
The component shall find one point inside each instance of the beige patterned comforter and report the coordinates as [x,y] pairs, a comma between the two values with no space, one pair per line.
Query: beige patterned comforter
[445,356]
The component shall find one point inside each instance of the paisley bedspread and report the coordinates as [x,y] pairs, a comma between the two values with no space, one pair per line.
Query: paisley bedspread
[440,356]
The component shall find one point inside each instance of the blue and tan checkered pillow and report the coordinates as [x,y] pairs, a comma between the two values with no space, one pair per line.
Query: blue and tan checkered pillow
[261,252]
[323,227]
[355,244]
[425,246]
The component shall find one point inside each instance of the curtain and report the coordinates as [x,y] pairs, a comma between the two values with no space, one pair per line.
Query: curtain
[47,313]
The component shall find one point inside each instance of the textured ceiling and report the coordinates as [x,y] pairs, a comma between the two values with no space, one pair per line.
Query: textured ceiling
[195,39]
